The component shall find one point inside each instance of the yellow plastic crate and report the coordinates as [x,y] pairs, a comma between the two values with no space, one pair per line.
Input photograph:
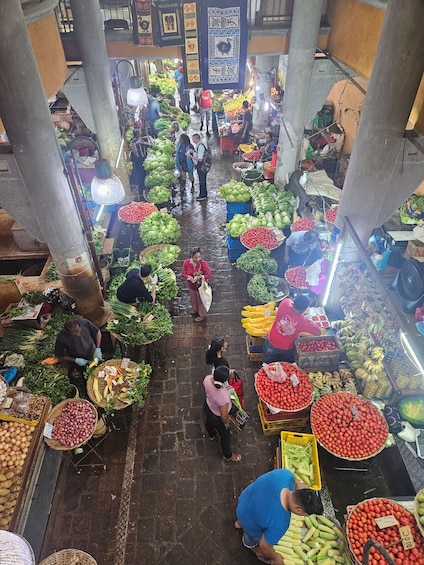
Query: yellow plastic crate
[304,439]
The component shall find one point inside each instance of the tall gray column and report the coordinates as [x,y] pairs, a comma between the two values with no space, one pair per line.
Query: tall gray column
[92,46]
[303,43]
[369,196]
[26,116]
[264,65]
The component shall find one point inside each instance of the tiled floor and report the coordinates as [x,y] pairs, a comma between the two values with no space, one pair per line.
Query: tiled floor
[167,496]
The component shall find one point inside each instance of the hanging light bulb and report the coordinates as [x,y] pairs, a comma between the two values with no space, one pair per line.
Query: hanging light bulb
[136,95]
[106,188]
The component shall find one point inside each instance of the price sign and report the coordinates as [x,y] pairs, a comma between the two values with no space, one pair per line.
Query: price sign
[406,537]
[48,428]
[294,380]
[355,411]
[386,521]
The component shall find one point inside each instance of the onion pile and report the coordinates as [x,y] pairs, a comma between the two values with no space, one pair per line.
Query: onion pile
[75,425]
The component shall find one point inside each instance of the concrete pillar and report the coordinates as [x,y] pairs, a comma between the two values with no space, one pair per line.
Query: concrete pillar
[92,46]
[263,67]
[369,196]
[26,116]
[303,43]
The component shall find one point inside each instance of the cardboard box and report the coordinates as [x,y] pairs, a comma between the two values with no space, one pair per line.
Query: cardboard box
[415,248]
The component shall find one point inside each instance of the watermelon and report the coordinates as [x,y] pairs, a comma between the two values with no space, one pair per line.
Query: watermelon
[411,409]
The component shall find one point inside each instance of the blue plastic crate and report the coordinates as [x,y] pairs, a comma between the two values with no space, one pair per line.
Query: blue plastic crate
[234,242]
[239,207]
[234,253]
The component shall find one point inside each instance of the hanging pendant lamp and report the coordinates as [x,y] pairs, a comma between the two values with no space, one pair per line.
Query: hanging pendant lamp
[136,95]
[106,188]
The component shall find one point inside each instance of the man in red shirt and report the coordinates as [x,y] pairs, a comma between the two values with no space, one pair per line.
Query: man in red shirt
[205,109]
[289,323]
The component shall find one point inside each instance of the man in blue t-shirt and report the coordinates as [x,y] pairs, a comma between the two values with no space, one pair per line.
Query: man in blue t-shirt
[264,510]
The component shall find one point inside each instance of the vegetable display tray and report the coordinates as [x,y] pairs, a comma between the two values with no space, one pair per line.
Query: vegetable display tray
[56,413]
[68,557]
[278,234]
[304,439]
[154,249]
[102,383]
[291,284]
[127,207]
[327,360]
[275,427]
[416,514]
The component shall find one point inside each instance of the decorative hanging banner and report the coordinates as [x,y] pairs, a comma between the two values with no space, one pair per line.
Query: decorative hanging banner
[167,23]
[143,23]
[223,43]
[191,45]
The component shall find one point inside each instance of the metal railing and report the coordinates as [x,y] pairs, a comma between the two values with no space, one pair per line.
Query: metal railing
[117,14]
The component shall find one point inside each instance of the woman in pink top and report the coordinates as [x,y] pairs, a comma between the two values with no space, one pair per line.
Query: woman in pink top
[217,407]
[195,269]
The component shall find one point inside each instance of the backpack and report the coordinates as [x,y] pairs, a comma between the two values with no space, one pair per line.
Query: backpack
[206,163]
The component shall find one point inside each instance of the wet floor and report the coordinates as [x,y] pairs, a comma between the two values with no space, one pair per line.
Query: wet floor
[167,496]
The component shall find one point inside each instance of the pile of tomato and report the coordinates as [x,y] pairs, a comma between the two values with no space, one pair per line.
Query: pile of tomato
[302,224]
[285,395]
[259,236]
[318,345]
[361,526]
[136,212]
[348,426]
[331,214]
[296,276]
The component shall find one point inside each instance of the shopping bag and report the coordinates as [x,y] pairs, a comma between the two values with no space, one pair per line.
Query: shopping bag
[235,381]
[237,415]
[205,292]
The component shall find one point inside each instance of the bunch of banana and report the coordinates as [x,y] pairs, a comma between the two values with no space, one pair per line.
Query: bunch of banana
[336,381]
[257,320]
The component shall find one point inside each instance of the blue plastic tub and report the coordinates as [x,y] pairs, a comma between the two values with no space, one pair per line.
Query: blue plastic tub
[234,253]
[234,243]
[239,207]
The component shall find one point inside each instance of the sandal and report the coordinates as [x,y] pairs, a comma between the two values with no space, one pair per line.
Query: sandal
[235,458]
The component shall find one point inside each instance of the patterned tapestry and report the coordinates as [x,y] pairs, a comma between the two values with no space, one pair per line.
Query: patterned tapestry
[223,43]
[142,16]
[191,52]
[167,23]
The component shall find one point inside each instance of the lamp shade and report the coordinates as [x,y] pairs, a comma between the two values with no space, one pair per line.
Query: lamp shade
[106,188]
[136,95]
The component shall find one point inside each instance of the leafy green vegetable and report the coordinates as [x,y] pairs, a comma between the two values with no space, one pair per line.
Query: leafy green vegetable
[257,261]
[34,297]
[159,228]
[159,194]
[234,191]
[262,289]
[51,273]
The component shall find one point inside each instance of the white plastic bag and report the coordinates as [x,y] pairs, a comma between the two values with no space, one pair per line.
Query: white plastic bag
[313,272]
[205,292]
[275,372]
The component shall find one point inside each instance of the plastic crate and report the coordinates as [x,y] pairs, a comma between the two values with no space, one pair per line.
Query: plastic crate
[120,260]
[253,356]
[234,253]
[303,439]
[282,415]
[275,427]
[318,360]
[234,243]
[239,207]
[255,344]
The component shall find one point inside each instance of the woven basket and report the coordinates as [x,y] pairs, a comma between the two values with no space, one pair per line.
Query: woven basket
[54,415]
[5,386]
[416,515]
[69,557]
[15,550]
[118,404]
[152,249]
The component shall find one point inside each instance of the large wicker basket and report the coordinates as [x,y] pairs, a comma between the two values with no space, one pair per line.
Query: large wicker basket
[153,249]
[15,550]
[117,404]
[56,412]
[69,557]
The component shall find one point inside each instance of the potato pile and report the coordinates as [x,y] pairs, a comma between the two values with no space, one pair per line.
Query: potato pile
[15,439]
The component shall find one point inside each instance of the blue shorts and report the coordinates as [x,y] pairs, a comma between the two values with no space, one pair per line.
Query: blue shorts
[250,541]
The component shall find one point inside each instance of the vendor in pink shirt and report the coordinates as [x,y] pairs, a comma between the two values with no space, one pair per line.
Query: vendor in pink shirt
[289,323]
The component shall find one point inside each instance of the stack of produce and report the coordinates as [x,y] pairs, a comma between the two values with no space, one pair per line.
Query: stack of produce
[348,426]
[75,424]
[332,381]
[299,454]
[296,276]
[266,237]
[234,107]
[292,395]
[362,525]
[139,326]
[15,440]
[411,409]
[159,194]
[302,224]
[365,358]
[266,288]
[136,212]
[113,383]
[331,214]
[159,228]
[240,223]
[176,115]
[419,510]
[166,287]
[273,204]
[159,165]
[257,261]
[258,320]
[234,191]
[322,544]
[163,255]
